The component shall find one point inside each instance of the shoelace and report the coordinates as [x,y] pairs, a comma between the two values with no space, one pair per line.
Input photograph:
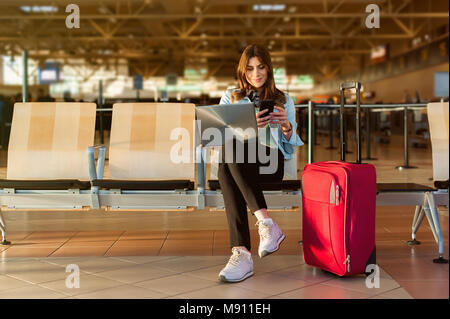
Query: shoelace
[263,229]
[234,259]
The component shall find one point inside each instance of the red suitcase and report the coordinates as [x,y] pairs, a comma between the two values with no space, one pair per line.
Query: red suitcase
[338,205]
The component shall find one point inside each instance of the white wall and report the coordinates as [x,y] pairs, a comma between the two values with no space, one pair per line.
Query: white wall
[393,89]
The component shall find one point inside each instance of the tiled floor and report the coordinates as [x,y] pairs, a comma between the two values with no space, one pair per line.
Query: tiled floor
[179,254]
[186,263]
[278,276]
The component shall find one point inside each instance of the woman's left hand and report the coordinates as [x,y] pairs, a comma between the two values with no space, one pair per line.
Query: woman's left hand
[280,117]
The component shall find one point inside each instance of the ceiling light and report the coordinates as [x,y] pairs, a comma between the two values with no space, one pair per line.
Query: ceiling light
[103,10]
[269,7]
[39,8]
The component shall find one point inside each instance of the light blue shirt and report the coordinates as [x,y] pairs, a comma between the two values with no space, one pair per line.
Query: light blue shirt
[286,147]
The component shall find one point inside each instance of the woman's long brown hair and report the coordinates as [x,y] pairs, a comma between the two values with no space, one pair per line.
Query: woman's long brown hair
[269,91]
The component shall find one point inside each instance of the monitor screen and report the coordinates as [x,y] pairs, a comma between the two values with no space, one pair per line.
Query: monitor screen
[379,54]
[49,74]
[441,84]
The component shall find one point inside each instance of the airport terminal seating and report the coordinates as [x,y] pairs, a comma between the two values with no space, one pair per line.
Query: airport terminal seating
[426,198]
[156,162]
[151,158]
[47,163]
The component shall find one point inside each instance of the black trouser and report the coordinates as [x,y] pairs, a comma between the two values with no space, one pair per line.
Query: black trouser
[240,184]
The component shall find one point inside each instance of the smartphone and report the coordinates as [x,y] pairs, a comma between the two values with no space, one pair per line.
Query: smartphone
[267,104]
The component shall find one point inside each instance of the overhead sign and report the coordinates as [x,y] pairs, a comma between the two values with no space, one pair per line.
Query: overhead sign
[50,73]
[138,81]
[441,84]
[171,79]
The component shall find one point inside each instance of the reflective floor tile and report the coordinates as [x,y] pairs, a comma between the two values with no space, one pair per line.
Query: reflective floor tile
[84,284]
[123,292]
[190,263]
[93,264]
[223,291]
[271,283]
[177,284]
[135,273]
[320,291]
[142,259]
[398,293]
[305,273]
[31,292]
[7,283]
[363,284]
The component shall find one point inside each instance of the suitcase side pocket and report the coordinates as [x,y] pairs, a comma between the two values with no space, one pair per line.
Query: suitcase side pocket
[323,223]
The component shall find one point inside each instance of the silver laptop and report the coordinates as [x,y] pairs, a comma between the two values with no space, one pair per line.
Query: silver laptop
[217,124]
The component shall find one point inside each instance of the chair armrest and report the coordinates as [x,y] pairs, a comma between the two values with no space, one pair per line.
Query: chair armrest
[96,171]
[201,167]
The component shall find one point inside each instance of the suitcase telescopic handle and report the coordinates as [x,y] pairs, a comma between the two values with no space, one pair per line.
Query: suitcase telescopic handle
[343,87]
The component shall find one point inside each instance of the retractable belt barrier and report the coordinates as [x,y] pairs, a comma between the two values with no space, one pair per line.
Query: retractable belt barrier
[312,107]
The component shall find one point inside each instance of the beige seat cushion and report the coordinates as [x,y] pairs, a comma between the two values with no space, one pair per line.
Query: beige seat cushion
[49,141]
[152,141]
[438,117]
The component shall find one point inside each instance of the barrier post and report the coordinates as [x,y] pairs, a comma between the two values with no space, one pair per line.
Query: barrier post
[314,119]
[100,105]
[406,140]
[331,130]
[311,137]
[368,135]
[25,76]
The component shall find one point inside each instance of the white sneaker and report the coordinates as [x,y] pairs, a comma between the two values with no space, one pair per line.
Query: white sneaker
[238,268]
[270,236]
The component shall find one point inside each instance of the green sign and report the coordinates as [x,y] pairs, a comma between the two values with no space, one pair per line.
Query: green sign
[279,75]
[304,79]
[195,73]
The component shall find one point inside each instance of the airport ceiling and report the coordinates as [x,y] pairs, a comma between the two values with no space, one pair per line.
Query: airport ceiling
[156,37]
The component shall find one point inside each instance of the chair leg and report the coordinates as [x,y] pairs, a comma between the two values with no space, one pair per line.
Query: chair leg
[3,230]
[95,198]
[417,221]
[433,219]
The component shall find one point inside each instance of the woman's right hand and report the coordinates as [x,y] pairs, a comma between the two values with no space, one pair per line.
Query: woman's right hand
[261,119]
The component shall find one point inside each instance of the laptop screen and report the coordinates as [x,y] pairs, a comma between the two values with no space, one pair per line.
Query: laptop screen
[217,124]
